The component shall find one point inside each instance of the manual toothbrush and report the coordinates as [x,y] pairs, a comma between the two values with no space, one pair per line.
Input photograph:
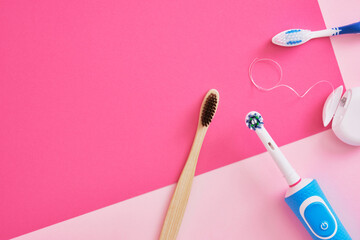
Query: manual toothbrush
[295,37]
[181,195]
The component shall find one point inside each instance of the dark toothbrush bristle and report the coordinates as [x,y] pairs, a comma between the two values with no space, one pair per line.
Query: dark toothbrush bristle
[208,110]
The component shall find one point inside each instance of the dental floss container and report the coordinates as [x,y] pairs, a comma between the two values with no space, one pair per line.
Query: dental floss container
[344,110]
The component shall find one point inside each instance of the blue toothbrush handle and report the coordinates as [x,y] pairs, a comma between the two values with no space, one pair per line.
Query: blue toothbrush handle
[351,28]
[314,211]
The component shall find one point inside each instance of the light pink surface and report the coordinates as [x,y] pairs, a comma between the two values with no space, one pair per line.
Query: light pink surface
[99,100]
[244,200]
[346,47]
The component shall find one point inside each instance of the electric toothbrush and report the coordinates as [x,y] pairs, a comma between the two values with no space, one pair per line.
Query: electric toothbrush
[304,197]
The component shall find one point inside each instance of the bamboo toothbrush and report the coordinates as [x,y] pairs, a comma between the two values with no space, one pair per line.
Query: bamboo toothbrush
[181,195]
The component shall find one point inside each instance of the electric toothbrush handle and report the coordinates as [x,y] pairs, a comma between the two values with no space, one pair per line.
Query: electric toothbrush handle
[351,28]
[314,211]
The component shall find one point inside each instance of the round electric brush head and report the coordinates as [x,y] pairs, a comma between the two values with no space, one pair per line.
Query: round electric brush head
[209,107]
[254,120]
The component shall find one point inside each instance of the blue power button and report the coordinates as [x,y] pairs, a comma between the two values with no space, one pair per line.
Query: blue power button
[324,225]
[320,219]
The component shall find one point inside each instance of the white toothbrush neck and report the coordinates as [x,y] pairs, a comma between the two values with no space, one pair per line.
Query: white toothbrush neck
[324,33]
[283,164]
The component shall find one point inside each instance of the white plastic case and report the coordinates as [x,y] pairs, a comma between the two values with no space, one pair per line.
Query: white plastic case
[345,112]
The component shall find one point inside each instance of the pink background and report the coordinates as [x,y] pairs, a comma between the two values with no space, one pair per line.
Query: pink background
[88,80]
[244,200]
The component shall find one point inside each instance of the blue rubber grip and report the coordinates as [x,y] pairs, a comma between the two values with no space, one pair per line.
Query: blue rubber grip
[314,211]
[351,28]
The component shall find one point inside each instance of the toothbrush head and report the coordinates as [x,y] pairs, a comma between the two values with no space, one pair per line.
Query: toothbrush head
[292,37]
[209,107]
[254,120]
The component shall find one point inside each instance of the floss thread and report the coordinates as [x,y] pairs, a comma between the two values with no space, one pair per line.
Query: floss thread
[278,85]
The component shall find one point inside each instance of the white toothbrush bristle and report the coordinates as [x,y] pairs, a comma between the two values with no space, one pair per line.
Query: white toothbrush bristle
[292,37]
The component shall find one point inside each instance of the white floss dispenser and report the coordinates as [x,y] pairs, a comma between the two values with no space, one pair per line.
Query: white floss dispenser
[345,112]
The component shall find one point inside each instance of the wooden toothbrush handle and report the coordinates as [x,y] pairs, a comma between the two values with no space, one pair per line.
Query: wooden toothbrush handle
[181,195]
